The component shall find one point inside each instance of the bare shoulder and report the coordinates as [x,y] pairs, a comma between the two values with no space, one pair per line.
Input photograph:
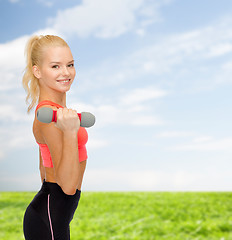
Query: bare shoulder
[42,130]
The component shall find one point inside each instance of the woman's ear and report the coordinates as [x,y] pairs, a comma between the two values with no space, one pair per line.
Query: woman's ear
[36,71]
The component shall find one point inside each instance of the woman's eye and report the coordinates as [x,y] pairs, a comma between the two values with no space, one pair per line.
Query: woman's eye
[55,66]
[71,65]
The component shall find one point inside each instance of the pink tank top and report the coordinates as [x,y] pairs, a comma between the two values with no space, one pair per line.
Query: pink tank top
[82,140]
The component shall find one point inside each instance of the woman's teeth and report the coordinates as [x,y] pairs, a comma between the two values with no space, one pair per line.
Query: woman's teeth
[64,80]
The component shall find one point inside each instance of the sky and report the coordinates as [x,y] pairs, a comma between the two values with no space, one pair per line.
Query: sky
[157,74]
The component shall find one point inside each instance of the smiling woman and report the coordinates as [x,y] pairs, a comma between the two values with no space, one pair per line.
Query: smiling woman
[49,74]
[43,52]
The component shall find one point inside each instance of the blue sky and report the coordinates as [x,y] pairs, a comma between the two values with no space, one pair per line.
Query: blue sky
[157,75]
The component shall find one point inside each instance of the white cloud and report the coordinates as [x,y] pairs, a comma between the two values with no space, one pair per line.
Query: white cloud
[107,18]
[223,76]
[121,115]
[2,155]
[202,139]
[142,120]
[175,134]
[16,137]
[205,144]
[12,63]
[131,107]
[50,31]
[193,141]
[13,113]
[15,124]
[220,49]
[12,54]
[97,143]
[183,60]
[227,66]
[172,52]
[140,95]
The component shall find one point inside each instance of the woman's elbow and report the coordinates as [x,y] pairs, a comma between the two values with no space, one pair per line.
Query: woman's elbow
[69,190]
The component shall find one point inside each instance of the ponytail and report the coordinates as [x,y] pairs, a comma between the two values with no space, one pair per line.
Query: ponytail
[30,82]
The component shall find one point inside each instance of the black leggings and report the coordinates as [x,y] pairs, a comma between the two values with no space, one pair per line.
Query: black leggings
[49,214]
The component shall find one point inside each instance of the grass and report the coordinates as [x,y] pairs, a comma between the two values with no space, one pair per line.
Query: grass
[133,215]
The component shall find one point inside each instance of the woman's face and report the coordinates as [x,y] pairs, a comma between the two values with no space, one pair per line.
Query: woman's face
[57,71]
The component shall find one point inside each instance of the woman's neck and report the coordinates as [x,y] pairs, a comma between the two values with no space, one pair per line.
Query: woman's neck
[59,98]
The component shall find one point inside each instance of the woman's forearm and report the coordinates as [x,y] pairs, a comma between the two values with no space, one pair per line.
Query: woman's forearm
[68,169]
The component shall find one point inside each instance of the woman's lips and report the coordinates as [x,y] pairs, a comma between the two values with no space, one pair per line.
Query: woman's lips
[64,81]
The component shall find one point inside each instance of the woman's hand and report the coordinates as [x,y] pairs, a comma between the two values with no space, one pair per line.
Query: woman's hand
[67,120]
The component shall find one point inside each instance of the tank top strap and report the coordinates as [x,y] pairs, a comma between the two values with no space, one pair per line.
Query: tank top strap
[47,102]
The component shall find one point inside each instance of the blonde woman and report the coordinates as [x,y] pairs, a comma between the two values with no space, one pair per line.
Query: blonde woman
[49,75]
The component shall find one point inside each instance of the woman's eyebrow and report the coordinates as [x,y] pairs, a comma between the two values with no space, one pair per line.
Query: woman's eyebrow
[60,62]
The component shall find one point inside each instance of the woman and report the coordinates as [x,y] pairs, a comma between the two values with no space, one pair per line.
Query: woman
[49,74]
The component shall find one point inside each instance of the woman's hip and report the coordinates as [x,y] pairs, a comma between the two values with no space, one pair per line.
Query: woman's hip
[52,208]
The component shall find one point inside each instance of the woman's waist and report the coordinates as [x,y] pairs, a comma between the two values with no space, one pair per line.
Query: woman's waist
[55,190]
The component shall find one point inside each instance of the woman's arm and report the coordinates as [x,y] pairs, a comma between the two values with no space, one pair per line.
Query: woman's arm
[62,142]
[68,169]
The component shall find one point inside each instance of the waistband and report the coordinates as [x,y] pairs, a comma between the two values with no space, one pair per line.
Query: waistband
[51,187]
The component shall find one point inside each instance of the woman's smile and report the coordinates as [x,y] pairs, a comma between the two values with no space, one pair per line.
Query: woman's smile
[64,81]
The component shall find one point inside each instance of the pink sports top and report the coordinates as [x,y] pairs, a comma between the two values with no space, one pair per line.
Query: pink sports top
[82,140]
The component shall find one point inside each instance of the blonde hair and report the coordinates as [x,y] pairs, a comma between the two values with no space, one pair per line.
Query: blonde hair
[34,56]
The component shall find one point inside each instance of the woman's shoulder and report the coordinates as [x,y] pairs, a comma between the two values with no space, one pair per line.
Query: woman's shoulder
[40,129]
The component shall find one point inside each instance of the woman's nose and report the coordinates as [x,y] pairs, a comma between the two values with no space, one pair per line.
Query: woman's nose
[65,71]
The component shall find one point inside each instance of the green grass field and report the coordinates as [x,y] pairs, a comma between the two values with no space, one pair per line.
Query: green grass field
[133,215]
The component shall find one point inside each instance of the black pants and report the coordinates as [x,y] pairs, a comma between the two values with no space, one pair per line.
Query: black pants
[49,214]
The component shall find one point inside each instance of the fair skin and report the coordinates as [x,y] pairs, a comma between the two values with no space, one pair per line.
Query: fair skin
[56,74]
